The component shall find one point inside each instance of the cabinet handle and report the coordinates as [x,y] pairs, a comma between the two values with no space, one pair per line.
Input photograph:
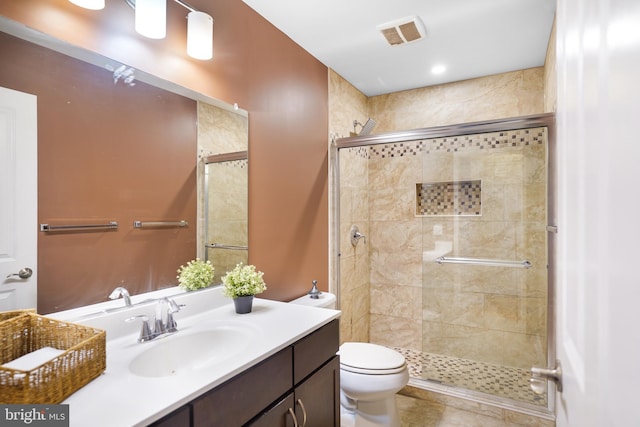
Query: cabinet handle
[293,415]
[304,412]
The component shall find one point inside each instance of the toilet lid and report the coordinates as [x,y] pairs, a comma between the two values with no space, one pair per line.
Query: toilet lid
[370,357]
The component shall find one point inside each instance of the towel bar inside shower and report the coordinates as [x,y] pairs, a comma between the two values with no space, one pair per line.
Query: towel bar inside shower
[482,261]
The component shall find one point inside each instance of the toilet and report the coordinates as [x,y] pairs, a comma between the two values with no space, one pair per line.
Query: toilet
[370,376]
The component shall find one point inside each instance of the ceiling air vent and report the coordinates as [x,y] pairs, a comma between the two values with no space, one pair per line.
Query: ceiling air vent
[401,31]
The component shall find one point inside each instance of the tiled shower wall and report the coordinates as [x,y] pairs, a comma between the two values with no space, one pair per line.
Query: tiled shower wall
[347,104]
[354,260]
[489,314]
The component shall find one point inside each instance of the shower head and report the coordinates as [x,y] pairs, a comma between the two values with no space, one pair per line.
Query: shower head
[366,128]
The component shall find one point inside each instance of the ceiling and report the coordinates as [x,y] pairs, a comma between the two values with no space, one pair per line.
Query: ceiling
[471,38]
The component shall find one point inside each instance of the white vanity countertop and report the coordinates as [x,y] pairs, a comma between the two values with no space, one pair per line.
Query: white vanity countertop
[119,398]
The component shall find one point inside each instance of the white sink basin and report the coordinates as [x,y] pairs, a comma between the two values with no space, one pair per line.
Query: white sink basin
[177,354]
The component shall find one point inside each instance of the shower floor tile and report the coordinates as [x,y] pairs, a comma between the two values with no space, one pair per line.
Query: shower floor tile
[503,381]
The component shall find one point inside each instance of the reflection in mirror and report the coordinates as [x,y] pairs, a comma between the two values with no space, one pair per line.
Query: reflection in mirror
[226,203]
[223,175]
[125,161]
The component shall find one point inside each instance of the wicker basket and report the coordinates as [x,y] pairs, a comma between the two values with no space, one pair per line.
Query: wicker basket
[23,332]
[6,315]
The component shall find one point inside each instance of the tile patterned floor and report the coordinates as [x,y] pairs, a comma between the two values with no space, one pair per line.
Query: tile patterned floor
[416,412]
[503,381]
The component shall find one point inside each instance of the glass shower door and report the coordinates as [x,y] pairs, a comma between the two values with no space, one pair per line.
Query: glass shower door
[483,204]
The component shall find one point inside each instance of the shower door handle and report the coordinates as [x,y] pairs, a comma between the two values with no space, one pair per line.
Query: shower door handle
[539,377]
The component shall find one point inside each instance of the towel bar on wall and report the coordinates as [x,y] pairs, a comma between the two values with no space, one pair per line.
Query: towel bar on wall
[481,261]
[112,225]
[148,224]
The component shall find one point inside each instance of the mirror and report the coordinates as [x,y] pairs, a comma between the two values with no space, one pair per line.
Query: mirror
[86,266]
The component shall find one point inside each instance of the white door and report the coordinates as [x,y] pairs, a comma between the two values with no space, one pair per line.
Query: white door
[18,200]
[598,282]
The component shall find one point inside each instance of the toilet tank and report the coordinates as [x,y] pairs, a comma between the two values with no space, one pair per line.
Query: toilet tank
[324,300]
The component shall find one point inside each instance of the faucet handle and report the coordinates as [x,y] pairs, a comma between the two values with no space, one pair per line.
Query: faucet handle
[173,306]
[145,332]
[171,325]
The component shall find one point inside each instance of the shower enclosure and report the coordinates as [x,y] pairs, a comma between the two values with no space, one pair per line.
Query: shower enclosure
[452,264]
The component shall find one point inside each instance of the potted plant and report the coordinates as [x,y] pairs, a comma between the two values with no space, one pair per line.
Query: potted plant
[241,284]
[197,274]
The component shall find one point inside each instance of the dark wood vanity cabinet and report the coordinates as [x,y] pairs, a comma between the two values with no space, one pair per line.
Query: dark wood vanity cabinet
[315,402]
[301,380]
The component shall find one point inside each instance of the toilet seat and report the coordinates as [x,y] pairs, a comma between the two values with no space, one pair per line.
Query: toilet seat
[370,359]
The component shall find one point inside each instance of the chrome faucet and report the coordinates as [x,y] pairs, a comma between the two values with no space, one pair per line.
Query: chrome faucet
[160,326]
[169,324]
[121,292]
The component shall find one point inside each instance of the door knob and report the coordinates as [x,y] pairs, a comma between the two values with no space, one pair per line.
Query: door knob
[539,375]
[24,273]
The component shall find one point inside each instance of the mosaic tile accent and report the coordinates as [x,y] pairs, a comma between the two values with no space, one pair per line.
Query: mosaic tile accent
[504,381]
[483,141]
[242,164]
[449,198]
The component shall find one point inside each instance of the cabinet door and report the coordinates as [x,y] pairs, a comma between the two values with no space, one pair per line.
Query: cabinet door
[280,415]
[318,398]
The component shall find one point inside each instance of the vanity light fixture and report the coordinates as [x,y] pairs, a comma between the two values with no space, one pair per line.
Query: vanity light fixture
[151,22]
[151,18]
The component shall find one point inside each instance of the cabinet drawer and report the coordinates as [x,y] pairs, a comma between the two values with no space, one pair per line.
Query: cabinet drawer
[314,350]
[178,418]
[241,398]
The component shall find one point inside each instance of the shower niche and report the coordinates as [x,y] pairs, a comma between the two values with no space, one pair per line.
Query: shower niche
[475,324]
[449,198]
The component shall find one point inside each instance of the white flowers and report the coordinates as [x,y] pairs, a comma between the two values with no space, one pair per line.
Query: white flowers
[243,281]
[196,274]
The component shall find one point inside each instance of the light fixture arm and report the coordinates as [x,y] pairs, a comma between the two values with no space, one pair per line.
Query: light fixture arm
[184,4]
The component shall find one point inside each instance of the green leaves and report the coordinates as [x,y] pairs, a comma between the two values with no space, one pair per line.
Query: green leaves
[243,281]
[196,274]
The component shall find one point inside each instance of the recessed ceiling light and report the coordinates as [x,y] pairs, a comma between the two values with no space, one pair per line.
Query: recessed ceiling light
[438,69]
